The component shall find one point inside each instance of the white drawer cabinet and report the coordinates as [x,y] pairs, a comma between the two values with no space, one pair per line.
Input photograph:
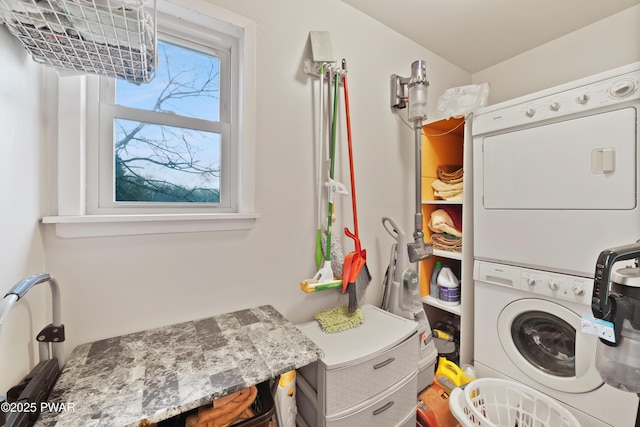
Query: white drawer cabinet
[367,377]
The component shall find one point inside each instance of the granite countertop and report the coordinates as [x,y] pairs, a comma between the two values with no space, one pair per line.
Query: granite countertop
[152,375]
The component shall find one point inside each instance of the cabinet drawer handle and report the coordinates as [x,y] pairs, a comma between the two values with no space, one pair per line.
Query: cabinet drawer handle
[383,408]
[385,363]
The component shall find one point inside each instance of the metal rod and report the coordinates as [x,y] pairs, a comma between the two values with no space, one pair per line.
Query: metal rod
[57,349]
[418,140]
[44,351]
[22,287]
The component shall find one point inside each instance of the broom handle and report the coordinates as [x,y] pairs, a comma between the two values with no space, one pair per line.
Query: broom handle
[320,146]
[320,169]
[355,236]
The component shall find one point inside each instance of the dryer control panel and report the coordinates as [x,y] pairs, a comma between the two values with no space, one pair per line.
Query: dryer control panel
[561,102]
[562,286]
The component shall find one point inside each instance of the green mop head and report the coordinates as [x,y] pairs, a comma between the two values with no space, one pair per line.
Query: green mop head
[339,319]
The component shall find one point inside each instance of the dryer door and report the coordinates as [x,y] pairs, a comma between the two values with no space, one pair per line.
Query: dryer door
[544,341]
[545,184]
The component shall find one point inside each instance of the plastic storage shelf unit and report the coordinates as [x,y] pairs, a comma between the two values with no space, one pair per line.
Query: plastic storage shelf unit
[102,37]
[368,375]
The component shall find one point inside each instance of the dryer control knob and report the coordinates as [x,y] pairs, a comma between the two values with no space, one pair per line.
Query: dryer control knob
[582,98]
[553,285]
[622,89]
[554,106]
[530,112]
[578,291]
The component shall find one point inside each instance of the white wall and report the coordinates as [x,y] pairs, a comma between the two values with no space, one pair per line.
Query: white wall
[21,175]
[116,285]
[609,43]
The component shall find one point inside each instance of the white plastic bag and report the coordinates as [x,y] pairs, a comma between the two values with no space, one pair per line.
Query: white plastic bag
[462,100]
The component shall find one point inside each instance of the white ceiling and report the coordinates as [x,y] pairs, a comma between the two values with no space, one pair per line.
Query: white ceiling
[476,34]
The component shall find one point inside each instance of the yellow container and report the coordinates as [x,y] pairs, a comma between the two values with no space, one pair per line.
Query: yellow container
[449,375]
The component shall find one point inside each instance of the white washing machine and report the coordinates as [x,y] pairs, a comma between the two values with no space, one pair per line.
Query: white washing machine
[556,179]
[527,328]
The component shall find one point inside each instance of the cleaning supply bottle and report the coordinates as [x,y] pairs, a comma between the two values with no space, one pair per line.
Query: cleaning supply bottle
[448,287]
[450,376]
[433,284]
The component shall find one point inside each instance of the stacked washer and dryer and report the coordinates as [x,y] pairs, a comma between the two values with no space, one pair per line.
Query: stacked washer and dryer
[556,181]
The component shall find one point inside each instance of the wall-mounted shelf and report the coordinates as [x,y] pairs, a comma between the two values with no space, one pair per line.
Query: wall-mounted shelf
[104,37]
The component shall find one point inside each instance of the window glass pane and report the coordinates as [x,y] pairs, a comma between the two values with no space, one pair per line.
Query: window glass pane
[165,164]
[187,83]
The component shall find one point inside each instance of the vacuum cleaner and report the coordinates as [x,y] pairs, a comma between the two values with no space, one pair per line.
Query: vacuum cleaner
[401,285]
[401,296]
[414,90]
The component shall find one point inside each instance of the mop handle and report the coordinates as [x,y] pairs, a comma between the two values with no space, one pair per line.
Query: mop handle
[320,146]
[320,170]
[332,166]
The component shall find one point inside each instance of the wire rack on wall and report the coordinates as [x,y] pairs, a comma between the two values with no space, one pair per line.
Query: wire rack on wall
[104,37]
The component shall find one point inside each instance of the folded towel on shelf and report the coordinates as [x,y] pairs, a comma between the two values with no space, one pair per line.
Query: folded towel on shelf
[449,196]
[447,232]
[439,185]
[441,222]
[446,242]
[455,212]
[449,173]
[446,190]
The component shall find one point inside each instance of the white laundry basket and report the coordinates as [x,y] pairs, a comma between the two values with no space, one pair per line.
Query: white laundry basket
[492,402]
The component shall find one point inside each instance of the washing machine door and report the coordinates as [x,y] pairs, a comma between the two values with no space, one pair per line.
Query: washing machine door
[544,340]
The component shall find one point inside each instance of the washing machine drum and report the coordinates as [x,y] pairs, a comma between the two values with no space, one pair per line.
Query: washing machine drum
[544,340]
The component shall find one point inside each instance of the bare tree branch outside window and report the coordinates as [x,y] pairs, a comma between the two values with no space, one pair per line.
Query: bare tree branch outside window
[160,163]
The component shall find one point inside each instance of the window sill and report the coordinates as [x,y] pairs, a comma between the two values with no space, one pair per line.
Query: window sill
[128,225]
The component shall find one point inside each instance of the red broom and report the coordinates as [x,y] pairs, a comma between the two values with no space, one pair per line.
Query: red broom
[356,276]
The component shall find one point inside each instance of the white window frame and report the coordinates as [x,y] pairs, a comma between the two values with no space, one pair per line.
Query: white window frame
[78,210]
[101,161]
